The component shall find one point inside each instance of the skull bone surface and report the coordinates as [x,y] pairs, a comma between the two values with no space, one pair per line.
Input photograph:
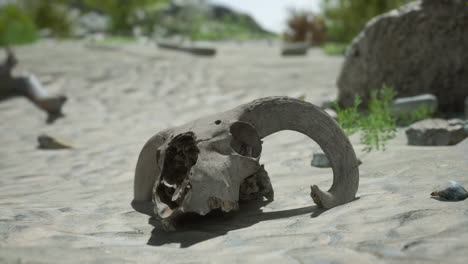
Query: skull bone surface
[213,163]
[202,168]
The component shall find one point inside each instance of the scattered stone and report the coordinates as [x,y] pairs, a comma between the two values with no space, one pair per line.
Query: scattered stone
[453,192]
[320,160]
[466,107]
[397,48]
[201,51]
[435,132]
[295,49]
[456,121]
[408,104]
[196,50]
[49,142]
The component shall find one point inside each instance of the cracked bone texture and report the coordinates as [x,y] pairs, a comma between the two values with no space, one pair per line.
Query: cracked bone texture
[208,163]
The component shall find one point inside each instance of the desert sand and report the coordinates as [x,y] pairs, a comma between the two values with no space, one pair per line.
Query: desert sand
[73,206]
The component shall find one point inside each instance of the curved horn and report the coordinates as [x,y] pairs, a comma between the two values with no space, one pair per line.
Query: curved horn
[146,171]
[273,114]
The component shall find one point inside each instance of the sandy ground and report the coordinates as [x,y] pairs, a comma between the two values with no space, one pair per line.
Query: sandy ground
[73,206]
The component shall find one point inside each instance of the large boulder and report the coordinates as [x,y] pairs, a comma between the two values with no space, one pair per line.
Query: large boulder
[436,132]
[419,48]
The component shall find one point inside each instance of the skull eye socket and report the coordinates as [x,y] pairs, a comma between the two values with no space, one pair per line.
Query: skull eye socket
[181,155]
[245,139]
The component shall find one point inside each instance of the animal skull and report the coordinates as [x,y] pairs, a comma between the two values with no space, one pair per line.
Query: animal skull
[213,162]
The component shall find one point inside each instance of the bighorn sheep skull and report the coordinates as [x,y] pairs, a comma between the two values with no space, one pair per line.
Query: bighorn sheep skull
[213,162]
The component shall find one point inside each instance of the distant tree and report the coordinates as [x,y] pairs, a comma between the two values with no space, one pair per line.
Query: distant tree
[122,12]
[305,26]
[16,27]
[50,14]
[346,18]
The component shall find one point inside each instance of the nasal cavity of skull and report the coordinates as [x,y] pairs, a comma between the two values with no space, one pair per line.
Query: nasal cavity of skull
[245,139]
[181,155]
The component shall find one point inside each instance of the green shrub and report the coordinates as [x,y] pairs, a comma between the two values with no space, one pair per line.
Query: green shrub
[15,26]
[122,13]
[377,125]
[349,118]
[50,14]
[346,18]
[204,28]
[196,23]
[334,48]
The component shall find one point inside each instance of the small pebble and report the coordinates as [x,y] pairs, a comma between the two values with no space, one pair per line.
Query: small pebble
[453,192]
[49,142]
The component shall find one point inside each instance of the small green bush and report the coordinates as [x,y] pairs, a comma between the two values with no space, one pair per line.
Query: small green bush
[349,118]
[122,13]
[52,15]
[377,126]
[334,48]
[16,27]
[346,18]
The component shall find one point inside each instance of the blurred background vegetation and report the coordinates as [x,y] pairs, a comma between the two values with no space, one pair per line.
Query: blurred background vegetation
[305,26]
[346,18]
[24,21]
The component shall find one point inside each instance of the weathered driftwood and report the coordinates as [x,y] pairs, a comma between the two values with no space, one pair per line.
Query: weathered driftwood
[201,51]
[295,49]
[29,87]
[213,162]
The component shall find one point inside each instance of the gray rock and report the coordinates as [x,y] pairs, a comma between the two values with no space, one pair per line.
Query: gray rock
[295,49]
[320,160]
[453,192]
[466,107]
[456,121]
[50,142]
[398,49]
[435,132]
[408,104]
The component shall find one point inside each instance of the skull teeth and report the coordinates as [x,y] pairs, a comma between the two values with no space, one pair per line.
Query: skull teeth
[226,206]
[180,190]
[173,186]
